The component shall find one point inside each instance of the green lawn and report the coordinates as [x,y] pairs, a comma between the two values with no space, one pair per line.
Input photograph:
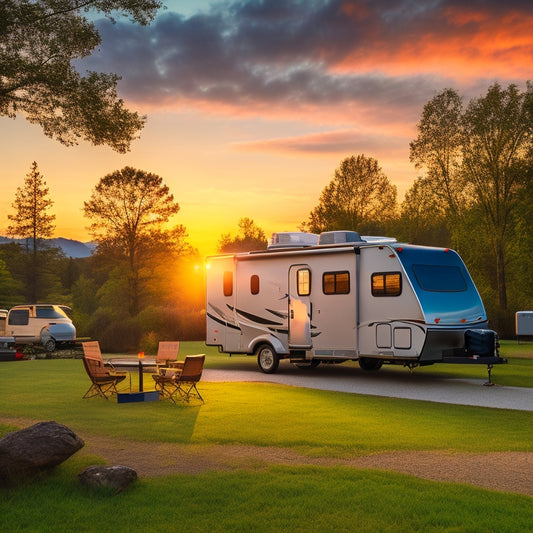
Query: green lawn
[262,414]
[295,498]
[518,372]
[278,499]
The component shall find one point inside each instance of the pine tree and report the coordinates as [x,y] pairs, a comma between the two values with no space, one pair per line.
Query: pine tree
[32,221]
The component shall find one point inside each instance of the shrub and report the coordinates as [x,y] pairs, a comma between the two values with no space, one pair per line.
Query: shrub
[121,336]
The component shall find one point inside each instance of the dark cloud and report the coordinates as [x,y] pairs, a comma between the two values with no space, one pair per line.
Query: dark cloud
[293,54]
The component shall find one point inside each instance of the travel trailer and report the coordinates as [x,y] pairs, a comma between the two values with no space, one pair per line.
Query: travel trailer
[339,297]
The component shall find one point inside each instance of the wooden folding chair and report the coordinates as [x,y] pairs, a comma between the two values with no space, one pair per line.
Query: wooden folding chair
[167,354]
[104,378]
[171,382]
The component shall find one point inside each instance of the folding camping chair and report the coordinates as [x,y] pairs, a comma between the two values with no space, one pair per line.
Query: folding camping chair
[173,381]
[167,354]
[104,378]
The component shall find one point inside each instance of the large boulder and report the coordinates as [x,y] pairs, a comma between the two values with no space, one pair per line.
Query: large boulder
[44,445]
[116,478]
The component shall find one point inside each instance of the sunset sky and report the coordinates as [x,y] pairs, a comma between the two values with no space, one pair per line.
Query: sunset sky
[253,105]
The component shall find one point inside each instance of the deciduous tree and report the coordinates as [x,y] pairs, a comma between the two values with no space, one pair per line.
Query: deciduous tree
[360,198]
[128,209]
[497,166]
[438,148]
[423,215]
[250,237]
[39,41]
[480,162]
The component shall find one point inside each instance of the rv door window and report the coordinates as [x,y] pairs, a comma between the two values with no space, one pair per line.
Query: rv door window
[303,277]
[440,278]
[19,317]
[254,284]
[336,282]
[228,283]
[386,284]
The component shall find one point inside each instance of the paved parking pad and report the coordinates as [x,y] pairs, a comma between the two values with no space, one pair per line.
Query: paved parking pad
[406,385]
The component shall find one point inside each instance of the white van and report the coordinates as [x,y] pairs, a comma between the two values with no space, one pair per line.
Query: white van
[44,324]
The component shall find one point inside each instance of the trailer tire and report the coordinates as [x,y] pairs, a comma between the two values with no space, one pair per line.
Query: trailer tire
[368,364]
[267,359]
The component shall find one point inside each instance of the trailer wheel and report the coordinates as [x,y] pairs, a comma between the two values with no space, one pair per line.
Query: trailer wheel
[267,358]
[369,364]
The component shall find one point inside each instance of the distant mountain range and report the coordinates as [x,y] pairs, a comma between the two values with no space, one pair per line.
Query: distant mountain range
[71,248]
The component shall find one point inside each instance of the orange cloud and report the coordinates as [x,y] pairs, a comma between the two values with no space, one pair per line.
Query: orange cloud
[467,44]
[331,142]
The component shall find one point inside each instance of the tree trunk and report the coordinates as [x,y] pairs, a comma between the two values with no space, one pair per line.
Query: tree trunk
[501,286]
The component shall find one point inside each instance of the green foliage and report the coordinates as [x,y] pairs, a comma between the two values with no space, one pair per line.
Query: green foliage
[113,294]
[128,209]
[414,225]
[149,343]
[36,264]
[10,289]
[479,171]
[438,149]
[31,219]
[84,299]
[122,334]
[40,40]
[251,237]
[360,198]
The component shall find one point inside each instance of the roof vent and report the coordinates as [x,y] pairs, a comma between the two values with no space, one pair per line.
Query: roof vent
[292,239]
[339,237]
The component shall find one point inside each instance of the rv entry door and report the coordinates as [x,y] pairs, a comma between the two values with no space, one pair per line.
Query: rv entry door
[300,307]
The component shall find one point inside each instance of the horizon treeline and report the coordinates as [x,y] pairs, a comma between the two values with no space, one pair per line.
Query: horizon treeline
[145,282]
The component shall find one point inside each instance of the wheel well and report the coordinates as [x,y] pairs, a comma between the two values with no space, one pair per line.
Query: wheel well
[273,343]
[260,343]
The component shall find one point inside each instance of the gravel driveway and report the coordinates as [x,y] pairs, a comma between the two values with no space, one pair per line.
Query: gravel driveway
[345,378]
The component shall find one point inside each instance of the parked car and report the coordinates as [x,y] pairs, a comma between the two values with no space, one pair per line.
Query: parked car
[44,324]
[8,352]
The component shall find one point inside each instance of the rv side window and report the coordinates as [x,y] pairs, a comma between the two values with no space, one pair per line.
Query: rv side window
[386,284]
[304,282]
[336,282]
[19,317]
[254,284]
[228,283]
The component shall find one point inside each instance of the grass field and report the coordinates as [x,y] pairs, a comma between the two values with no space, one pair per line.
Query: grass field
[276,498]
[518,372]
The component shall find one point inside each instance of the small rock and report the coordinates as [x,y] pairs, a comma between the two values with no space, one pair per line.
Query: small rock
[116,477]
[44,445]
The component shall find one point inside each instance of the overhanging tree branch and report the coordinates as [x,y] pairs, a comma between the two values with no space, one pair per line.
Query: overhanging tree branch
[38,80]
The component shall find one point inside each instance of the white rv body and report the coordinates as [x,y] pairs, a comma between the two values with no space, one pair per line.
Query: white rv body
[371,300]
